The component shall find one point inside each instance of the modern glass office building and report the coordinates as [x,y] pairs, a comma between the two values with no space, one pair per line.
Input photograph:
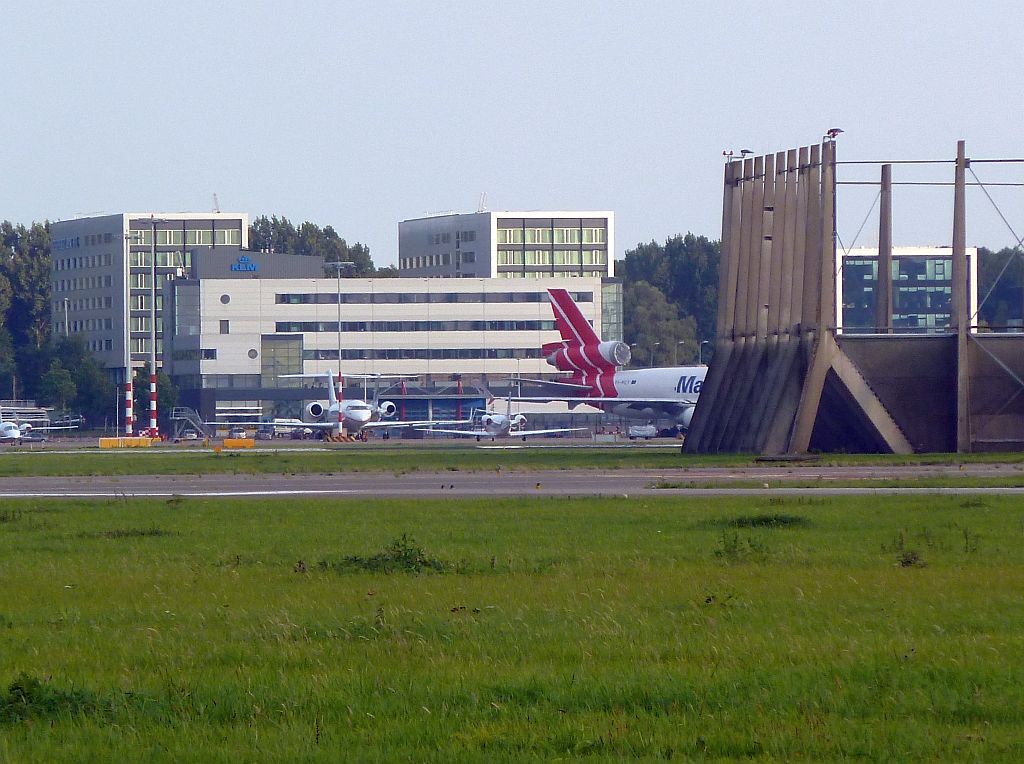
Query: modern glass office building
[921,289]
[519,244]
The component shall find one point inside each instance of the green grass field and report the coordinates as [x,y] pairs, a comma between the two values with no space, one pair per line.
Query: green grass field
[409,458]
[775,629]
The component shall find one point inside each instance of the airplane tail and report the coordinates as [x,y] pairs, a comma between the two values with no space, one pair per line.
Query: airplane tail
[574,328]
[332,396]
[592,363]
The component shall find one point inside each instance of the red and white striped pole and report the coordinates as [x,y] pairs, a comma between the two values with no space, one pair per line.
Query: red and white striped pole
[154,432]
[129,407]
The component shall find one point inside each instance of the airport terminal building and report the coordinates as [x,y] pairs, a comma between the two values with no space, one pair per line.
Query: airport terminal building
[240,320]
[229,322]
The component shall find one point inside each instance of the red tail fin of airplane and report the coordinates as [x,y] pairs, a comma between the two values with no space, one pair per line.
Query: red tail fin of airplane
[591,361]
[574,328]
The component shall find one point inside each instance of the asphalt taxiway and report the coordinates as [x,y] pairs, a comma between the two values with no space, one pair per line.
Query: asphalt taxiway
[705,481]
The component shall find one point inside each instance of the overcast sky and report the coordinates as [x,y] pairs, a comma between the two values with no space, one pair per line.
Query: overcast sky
[359,115]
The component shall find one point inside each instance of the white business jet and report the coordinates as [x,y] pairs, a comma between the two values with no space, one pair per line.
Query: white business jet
[26,432]
[505,425]
[353,415]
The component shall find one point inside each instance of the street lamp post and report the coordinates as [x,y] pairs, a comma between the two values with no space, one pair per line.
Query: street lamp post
[650,361]
[154,431]
[675,352]
[700,350]
[338,265]
[129,399]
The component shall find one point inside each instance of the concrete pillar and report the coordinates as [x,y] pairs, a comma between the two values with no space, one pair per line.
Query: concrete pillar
[883,287]
[961,313]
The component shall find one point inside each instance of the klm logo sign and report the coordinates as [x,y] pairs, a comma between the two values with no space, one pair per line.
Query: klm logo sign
[688,384]
[244,264]
[68,242]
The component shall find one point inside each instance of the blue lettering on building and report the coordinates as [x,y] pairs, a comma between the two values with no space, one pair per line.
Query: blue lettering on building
[688,384]
[245,264]
[68,242]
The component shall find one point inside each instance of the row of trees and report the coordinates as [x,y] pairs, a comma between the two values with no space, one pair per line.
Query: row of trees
[1000,286]
[670,295]
[278,234]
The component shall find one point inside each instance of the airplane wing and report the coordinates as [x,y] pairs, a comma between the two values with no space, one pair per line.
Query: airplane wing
[524,433]
[423,423]
[552,382]
[465,433]
[587,399]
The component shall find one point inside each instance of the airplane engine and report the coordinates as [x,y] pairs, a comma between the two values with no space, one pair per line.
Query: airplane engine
[617,353]
[568,358]
[387,409]
[685,416]
[315,410]
[518,422]
[486,420]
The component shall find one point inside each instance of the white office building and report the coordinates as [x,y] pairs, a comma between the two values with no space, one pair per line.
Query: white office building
[235,332]
[535,244]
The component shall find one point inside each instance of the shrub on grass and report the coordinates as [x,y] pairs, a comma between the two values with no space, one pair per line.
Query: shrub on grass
[734,549]
[403,555]
[125,533]
[769,521]
[29,697]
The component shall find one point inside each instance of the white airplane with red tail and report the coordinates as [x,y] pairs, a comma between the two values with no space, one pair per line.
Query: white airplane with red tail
[668,392]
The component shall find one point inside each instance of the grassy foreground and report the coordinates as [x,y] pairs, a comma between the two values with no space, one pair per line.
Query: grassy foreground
[775,629]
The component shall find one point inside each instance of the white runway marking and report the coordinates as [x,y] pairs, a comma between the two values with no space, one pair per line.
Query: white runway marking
[165,494]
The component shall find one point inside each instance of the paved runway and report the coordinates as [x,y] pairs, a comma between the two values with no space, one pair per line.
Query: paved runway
[510,483]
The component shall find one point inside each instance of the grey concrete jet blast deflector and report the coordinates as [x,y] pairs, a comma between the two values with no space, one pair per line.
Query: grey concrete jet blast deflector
[782,381]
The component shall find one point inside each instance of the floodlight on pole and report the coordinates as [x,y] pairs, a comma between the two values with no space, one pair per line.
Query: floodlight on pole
[338,266]
[154,430]
[675,352]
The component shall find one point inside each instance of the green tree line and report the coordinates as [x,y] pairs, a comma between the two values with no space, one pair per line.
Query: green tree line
[669,299]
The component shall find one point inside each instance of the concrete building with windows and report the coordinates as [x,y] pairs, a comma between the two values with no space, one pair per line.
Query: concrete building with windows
[922,280]
[102,276]
[508,244]
[234,331]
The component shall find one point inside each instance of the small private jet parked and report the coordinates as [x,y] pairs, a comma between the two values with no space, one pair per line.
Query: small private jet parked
[492,425]
[26,432]
[351,416]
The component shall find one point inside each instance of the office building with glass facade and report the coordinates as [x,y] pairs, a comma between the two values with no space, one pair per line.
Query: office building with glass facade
[921,289]
[492,244]
[102,276]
